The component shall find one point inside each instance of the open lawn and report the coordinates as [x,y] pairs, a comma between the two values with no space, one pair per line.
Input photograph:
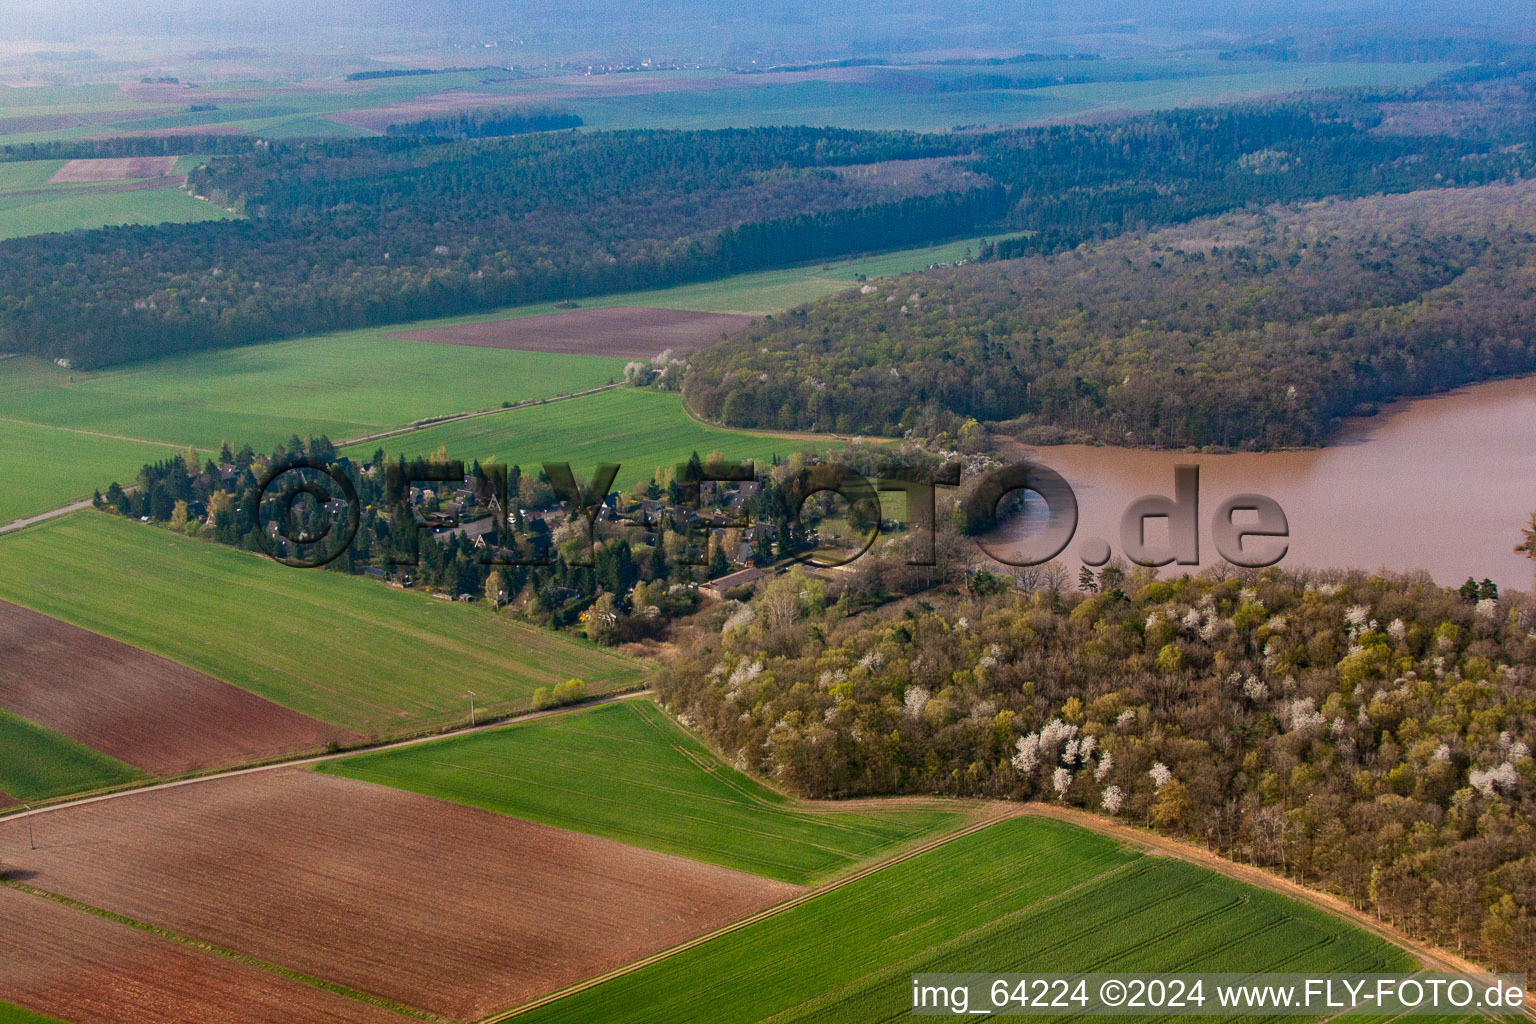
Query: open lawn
[625,771]
[641,430]
[1023,895]
[344,650]
[39,764]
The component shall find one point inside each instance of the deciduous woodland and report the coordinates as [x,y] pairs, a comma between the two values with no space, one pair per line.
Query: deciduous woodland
[348,233]
[1362,733]
[1247,330]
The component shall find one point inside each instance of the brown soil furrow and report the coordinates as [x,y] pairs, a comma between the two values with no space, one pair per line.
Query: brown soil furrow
[82,968]
[77,172]
[421,902]
[140,708]
[630,332]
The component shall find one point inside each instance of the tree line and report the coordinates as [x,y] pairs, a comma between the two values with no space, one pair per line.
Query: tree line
[1255,330]
[488,123]
[1368,734]
[354,232]
[347,233]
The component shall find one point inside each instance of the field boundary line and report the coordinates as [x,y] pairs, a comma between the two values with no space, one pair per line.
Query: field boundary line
[1430,957]
[225,953]
[110,437]
[905,965]
[428,424]
[1002,813]
[305,762]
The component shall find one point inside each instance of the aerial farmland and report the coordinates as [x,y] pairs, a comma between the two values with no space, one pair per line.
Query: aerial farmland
[521,512]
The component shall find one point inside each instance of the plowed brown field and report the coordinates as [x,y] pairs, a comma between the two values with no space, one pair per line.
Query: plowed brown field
[629,332]
[429,904]
[87,970]
[143,710]
[79,172]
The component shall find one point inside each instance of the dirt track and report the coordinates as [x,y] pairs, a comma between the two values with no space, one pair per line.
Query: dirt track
[142,709]
[1432,957]
[629,332]
[429,904]
[88,970]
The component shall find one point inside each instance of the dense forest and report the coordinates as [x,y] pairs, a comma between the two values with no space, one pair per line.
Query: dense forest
[382,230]
[1247,330]
[488,123]
[1367,734]
[354,232]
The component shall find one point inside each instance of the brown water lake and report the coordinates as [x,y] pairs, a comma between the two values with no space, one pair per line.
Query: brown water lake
[1442,484]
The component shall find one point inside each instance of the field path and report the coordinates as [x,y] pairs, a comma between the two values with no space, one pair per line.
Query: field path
[998,812]
[1432,957]
[425,424]
[43,517]
[321,758]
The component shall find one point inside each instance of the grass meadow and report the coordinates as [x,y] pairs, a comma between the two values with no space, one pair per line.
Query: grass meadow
[625,771]
[643,431]
[903,97]
[46,467]
[1023,895]
[63,210]
[349,384]
[344,650]
[16,1015]
[39,764]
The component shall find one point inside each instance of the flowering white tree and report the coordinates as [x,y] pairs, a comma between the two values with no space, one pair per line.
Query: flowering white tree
[1028,757]
[1062,780]
[915,699]
[1106,765]
[1112,799]
[1488,782]
[1161,775]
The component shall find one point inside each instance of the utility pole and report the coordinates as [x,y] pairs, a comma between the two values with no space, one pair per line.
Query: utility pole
[471,708]
[31,843]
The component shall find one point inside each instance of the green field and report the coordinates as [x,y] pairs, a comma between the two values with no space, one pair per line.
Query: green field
[895,99]
[45,467]
[1024,895]
[64,211]
[643,431]
[863,98]
[39,764]
[16,1015]
[626,772]
[341,649]
[345,385]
